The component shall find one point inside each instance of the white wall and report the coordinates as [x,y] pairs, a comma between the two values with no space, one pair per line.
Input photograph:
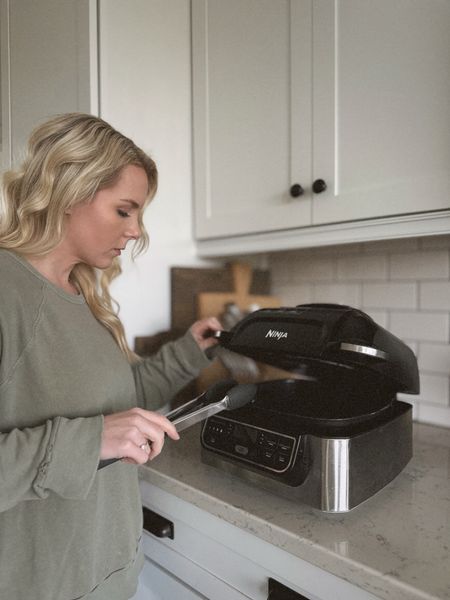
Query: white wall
[145,92]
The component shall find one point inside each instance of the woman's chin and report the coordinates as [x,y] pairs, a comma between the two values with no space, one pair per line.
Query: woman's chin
[103,263]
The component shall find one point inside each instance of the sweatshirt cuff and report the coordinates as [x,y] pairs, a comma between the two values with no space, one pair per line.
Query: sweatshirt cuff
[72,456]
[195,356]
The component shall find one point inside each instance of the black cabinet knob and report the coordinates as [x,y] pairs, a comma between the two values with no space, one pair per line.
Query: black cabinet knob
[319,186]
[296,190]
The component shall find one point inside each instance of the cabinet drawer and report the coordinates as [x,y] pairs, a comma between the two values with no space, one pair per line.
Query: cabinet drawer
[181,572]
[155,583]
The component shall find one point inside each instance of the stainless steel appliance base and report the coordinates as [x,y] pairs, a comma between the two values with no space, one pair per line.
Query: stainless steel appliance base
[343,471]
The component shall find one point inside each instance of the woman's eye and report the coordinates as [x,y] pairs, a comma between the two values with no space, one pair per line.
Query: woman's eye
[122,213]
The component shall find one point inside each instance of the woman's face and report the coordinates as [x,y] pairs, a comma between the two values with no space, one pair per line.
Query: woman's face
[97,232]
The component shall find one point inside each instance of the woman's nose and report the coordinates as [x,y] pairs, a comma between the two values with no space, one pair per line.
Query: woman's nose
[133,231]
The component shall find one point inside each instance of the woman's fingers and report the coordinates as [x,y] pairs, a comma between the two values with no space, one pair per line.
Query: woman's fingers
[156,426]
[160,421]
[136,435]
[141,457]
[203,330]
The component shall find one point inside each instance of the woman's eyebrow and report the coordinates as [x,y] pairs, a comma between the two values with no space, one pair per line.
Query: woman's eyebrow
[132,202]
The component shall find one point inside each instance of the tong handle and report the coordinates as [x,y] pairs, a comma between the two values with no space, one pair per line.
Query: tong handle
[201,407]
[185,421]
[185,408]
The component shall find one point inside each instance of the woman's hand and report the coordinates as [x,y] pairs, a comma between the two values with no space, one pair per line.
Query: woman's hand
[203,331]
[135,435]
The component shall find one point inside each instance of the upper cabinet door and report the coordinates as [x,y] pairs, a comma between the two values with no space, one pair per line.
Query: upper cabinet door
[252,115]
[48,65]
[381,98]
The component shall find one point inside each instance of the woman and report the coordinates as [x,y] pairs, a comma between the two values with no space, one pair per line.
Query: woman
[71,391]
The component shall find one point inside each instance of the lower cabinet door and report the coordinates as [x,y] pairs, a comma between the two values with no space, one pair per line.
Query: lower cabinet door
[156,583]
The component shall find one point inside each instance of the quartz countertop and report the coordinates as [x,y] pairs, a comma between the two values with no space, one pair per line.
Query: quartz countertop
[396,545]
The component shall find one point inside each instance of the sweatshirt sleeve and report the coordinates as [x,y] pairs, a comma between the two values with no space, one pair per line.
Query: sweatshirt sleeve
[58,457]
[158,378]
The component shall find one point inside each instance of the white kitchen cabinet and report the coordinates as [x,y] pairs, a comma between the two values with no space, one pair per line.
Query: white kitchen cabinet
[350,92]
[246,124]
[155,583]
[215,560]
[48,65]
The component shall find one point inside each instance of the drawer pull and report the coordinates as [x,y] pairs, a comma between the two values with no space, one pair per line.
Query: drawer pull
[156,524]
[278,591]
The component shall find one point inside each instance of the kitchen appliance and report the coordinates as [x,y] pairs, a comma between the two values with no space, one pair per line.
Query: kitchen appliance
[333,433]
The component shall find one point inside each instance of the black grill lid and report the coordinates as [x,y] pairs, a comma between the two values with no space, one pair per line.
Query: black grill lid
[322,338]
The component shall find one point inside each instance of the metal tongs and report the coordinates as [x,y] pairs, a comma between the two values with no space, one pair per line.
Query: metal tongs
[223,395]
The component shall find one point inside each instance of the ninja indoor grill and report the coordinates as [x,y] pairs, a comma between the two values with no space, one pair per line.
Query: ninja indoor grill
[330,433]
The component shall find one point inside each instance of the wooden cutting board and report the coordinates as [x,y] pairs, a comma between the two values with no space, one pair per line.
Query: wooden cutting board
[213,303]
[188,282]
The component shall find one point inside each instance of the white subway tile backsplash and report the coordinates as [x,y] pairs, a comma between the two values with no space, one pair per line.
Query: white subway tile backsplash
[435,415]
[434,389]
[337,293]
[389,295]
[281,266]
[390,246]
[434,357]
[293,295]
[420,326]
[339,250]
[313,268]
[420,265]
[366,267]
[434,295]
[435,241]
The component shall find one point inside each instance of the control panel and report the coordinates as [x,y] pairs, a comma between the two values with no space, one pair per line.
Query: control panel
[266,449]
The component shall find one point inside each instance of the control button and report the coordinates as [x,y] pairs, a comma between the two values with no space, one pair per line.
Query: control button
[285,447]
[267,458]
[242,450]
[217,428]
[282,460]
[285,454]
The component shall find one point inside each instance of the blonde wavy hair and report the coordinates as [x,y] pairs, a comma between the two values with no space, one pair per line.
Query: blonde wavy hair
[69,159]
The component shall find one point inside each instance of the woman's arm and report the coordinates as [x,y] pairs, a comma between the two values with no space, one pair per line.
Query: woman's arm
[62,456]
[158,378]
[58,457]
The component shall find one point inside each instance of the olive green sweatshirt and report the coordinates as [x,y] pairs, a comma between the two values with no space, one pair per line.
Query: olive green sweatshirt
[69,531]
